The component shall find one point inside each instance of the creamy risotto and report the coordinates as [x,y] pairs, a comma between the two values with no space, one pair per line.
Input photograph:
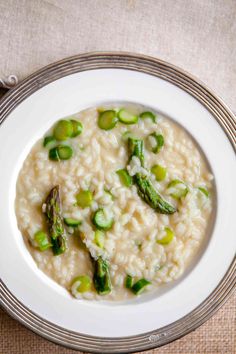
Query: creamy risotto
[114,201]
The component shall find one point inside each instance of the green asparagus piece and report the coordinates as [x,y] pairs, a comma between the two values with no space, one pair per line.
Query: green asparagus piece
[126,117]
[145,188]
[150,115]
[49,141]
[125,178]
[177,189]
[148,193]
[55,221]
[101,220]
[81,284]
[169,235]
[72,222]
[128,281]
[41,239]
[63,130]
[204,191]
[77,128]
[99,238]
[60,152]
[139,286]
[159,172]
[136,148]
[101,277]
[159,140]
[107,119]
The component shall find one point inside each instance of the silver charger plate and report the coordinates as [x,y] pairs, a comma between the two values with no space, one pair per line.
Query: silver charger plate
[224,117]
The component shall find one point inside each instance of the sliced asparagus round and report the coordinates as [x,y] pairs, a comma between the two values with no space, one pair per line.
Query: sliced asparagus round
[169,235]
[60,152]
[84,198]
[77,128]
[101,220]
[148,115]
[107,119]
[81,284]
[128,281]
[63,130]
[53,154]
[49,141]
[139,286]
[127,117]
[65,152]
[204,191]
[177,189]
[99,238]
[159,172]
[72,222]
[41,239]
[125,178]
[156,141]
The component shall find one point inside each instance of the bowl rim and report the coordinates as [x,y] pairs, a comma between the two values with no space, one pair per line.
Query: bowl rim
[226,119]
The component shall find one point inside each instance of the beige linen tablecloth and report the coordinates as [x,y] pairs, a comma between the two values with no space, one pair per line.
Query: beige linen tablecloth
[197,35]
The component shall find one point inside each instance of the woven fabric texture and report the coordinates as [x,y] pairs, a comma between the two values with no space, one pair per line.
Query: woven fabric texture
[196,35]
[216,336]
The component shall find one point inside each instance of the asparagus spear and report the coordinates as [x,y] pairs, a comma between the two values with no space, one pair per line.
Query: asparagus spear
[101,277]
[55,221]
[147,192]
[101,274]
[145,187]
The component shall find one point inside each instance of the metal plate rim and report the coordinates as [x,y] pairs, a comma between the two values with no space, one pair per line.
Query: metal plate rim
[224,116]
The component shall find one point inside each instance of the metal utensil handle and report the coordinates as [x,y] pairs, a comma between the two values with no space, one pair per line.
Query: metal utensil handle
[9,82]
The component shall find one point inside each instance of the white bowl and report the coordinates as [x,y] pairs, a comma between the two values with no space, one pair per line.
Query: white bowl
[67,87]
